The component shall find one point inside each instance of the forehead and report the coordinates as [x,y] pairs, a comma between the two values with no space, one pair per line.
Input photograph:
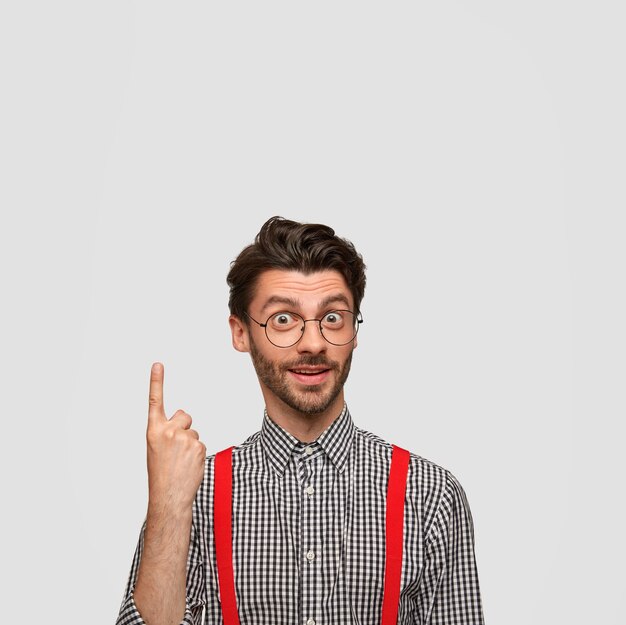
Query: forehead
[308,289]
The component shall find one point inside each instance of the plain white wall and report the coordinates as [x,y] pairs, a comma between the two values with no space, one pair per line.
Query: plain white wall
[473,152]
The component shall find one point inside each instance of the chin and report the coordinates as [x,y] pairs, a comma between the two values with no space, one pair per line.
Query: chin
[310,408]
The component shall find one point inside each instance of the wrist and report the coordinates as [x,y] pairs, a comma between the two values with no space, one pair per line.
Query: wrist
[159,508]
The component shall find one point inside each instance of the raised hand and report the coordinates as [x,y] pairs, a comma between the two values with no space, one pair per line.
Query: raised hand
[176,456]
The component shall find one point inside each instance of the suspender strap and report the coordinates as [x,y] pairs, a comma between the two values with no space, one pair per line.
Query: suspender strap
[394,527]
[394,532]
[222,521]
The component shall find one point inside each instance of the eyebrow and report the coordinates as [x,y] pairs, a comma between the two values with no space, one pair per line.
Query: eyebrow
[294,303]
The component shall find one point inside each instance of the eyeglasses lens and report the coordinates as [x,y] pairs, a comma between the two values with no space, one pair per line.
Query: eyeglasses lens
[285,329]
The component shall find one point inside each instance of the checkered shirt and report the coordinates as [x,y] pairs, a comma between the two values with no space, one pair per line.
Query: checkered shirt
[309,536]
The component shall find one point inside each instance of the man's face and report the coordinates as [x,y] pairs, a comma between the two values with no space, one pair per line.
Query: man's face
[310,296]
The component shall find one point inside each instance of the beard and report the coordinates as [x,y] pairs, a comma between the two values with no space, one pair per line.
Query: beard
[308,400]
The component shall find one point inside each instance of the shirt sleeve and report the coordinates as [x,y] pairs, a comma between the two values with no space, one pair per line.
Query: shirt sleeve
[196,587]
[450,592]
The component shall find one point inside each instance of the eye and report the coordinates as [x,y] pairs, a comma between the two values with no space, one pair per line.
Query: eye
[333,319]
[283,320]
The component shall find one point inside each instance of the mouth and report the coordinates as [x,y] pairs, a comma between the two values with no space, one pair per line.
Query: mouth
[310,375]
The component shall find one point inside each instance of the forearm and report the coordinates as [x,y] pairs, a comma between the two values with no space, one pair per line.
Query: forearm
[160,590]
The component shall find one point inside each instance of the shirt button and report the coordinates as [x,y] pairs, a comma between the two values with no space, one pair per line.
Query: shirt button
[310,556]
[309,490]
[310,622]
[308,450]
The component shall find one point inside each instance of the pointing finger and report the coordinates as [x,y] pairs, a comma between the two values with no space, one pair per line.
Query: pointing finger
[155,400]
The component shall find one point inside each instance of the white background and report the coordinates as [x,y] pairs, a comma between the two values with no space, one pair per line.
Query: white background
[472,151]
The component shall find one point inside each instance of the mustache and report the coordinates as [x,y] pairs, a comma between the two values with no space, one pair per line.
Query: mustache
[313,361]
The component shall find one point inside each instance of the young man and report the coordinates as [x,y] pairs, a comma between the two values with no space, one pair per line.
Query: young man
[312,520]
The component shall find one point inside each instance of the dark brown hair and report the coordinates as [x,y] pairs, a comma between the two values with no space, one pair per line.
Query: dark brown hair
[285,244]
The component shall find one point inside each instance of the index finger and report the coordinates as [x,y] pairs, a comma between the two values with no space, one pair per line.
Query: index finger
[155,399]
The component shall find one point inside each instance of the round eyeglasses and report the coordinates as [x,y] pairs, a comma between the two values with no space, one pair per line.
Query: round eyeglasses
[285,329]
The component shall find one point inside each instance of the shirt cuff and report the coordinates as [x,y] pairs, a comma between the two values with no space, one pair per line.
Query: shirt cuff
[129,614]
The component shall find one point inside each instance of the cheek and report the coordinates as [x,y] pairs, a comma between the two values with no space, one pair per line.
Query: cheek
[343,355]
[273,356]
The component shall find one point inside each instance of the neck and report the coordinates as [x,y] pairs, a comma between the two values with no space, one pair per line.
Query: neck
[305,427]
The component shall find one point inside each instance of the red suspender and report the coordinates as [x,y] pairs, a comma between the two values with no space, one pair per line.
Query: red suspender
[222,520]
[394,527]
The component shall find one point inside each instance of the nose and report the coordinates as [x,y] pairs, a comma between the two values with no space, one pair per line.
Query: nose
[312,341]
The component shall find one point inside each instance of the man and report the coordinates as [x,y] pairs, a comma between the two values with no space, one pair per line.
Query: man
[308,538]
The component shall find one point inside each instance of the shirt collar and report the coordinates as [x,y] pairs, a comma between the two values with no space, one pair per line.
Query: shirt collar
[335,441]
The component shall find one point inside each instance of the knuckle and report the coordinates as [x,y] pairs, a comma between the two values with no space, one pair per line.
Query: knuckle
[169,434]
[152,434]
[184,438]
[183,416]
[154,441]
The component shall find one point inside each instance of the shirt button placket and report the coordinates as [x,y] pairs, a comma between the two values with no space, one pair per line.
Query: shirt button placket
[311,556]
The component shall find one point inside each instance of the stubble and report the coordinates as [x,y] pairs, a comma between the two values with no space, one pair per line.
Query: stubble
[308,400]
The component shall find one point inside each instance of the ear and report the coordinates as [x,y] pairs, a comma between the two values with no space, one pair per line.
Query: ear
[239,331]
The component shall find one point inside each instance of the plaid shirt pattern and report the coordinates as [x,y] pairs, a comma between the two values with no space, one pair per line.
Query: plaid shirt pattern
[309,536]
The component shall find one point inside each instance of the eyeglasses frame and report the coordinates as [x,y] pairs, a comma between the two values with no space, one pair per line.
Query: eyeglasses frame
[357,315]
